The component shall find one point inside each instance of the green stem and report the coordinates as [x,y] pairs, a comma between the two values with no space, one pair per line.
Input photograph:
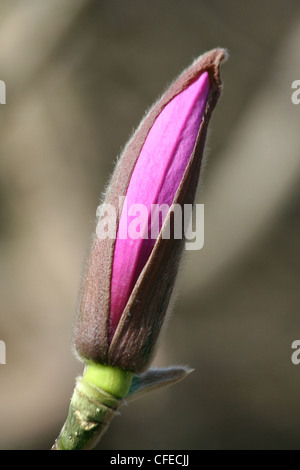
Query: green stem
[96,397]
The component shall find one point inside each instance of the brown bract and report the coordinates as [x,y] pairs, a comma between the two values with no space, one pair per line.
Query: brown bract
[136,334]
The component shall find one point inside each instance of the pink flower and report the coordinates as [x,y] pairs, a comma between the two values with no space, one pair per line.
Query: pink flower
[129,282]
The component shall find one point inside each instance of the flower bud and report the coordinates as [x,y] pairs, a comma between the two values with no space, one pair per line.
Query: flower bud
[129,281]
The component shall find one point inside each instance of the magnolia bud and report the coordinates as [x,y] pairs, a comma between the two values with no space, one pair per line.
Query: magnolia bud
[129,282]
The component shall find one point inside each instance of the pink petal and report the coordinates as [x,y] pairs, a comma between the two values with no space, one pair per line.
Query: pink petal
[155,179]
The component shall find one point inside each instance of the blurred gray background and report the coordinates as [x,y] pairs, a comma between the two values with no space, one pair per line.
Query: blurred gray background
[80,75]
